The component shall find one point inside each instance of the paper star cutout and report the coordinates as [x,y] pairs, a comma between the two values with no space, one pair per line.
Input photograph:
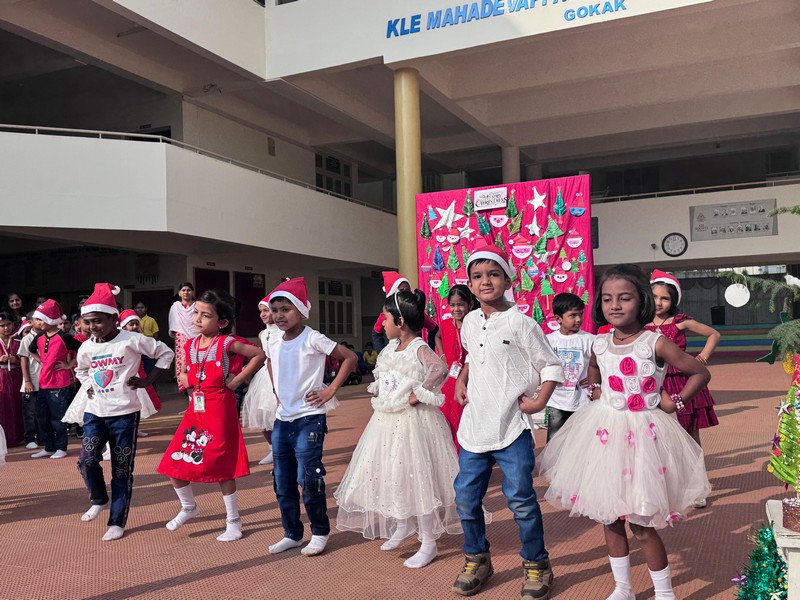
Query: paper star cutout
[538,199]
[534,228]
[465,231]
[545,255]
[447,216]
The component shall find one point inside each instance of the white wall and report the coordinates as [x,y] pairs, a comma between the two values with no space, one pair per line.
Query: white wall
[211,131]
[291,50]
[232,30]
[628,228]
[209,198]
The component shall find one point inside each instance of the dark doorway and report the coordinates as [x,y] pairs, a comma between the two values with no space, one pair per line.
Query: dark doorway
[210,279]
[249,290]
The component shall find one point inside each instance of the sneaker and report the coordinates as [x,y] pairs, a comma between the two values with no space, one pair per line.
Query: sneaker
[701,503]
[538,579]
[59,454]
[31,446]
[41,454]
[476,570]
[267,460]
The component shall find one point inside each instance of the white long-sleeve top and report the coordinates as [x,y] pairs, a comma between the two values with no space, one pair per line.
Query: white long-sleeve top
[106,367]
[415,369]
[508,356]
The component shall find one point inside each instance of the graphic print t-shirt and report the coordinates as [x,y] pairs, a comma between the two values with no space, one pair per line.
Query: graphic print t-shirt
[574,352]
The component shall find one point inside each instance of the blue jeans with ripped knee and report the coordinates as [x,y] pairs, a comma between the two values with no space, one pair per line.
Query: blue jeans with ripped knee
[297,452]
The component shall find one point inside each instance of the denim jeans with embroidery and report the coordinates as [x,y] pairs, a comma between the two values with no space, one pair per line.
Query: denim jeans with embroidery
[516,461]
[120,433]
[297,452]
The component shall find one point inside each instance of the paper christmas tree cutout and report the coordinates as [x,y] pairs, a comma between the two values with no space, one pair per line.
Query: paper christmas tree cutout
[563,254]
[511,207]
[540,247]
[444,287]
[452,262]
[582,258]
[464,255]
[547,291]
[537,313]
[515,225]
[483,225]
[559,208]
[498,241]
[527,282]
[580,283]
[585,297]
[431,212]
[438,261]
[425,230]
[553,230]
[469,207]
[430,307]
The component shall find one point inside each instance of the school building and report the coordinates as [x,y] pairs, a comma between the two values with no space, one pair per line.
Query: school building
[234,142]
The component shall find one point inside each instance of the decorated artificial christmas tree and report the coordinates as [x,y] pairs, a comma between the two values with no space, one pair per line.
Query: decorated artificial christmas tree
[425,230]
[765,578]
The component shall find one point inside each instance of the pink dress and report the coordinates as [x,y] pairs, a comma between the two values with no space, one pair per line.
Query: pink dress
[454,351]
[699,412]
[10,399]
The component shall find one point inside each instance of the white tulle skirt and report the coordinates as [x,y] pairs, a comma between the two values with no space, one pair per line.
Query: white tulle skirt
[607,464]
[3,447]
[260,404]
[77,407]
[401,475]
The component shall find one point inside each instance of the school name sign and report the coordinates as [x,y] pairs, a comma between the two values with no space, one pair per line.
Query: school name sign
[487,21]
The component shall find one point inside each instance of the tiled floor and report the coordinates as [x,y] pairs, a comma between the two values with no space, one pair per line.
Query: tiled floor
[47,552]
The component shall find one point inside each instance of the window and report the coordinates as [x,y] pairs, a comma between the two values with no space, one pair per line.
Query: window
[336,307]
[333,175]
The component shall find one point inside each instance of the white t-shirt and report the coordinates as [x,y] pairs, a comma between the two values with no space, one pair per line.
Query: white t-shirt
[108,366]
[574,351]
[508,356]
[34,364]
[298,367]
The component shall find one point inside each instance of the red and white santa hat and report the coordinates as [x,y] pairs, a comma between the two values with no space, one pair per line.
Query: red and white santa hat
[126,316]
[392,281]
[492,252]
[296,292]
[667,279]
[50,312]
[263,302]
[102,300]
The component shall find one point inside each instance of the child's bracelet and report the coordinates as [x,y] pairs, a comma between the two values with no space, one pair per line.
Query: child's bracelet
[678,400]
[591,388]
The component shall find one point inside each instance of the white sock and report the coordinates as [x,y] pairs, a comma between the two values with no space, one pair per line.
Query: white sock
[93,512]
[188,507]
[233,524]
[285,544]
[426,553]
[621,569]
[400,533]
[114,533]
[267,460]
[662,584]
[315,546]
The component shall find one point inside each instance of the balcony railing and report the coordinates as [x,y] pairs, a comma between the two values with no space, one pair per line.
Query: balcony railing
[117,135]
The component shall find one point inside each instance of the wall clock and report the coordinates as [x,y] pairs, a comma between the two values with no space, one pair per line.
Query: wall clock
[674,244]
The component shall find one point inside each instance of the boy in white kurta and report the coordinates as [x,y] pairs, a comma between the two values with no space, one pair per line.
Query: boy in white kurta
[510,372]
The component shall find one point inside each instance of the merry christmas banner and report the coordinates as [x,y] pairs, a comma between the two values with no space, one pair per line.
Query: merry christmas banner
[545,226]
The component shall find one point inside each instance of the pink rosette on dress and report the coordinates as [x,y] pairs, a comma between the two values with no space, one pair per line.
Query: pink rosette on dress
[615,383]
[627,366]
[649,385]
[635,403]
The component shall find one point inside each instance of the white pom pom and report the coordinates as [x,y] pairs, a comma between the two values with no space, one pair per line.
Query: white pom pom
[115,289]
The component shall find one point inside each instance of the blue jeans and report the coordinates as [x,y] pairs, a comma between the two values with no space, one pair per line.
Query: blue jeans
[50,408]
[517,462]
[297,452]
[120,433]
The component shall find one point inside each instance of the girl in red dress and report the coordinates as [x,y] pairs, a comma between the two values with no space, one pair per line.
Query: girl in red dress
[208,446]
[450,350]
[699,413]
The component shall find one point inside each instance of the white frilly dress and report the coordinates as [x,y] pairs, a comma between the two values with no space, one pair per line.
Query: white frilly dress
[260,404]
[402,470]
[622,457]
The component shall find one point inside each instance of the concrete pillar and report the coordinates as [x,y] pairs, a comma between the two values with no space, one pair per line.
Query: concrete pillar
[510,164]
[408,157]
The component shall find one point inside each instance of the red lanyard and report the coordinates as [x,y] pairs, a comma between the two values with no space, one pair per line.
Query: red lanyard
[201,369]
[458,341]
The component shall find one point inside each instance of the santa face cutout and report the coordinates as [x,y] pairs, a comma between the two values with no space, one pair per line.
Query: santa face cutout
[453,236]
[574,240]
[523,307]
[552,324]
[498,220]
[559,276]
[441,238]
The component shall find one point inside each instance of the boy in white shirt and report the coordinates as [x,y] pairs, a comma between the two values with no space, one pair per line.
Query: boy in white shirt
[31,365]
[510,372]
[108,365]
[296,363]
[574,347]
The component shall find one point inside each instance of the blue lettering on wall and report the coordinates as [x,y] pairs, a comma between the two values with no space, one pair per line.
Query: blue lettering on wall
[403,26]
[594,10]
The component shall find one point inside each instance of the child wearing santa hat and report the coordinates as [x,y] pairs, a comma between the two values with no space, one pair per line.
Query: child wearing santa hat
[109,366]
[394,282]
[296,360]
[55,350]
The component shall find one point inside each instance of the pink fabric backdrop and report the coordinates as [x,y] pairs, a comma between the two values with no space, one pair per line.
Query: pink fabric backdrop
[554,209]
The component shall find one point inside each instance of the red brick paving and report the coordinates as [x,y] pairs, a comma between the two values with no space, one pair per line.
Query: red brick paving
[47,552]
